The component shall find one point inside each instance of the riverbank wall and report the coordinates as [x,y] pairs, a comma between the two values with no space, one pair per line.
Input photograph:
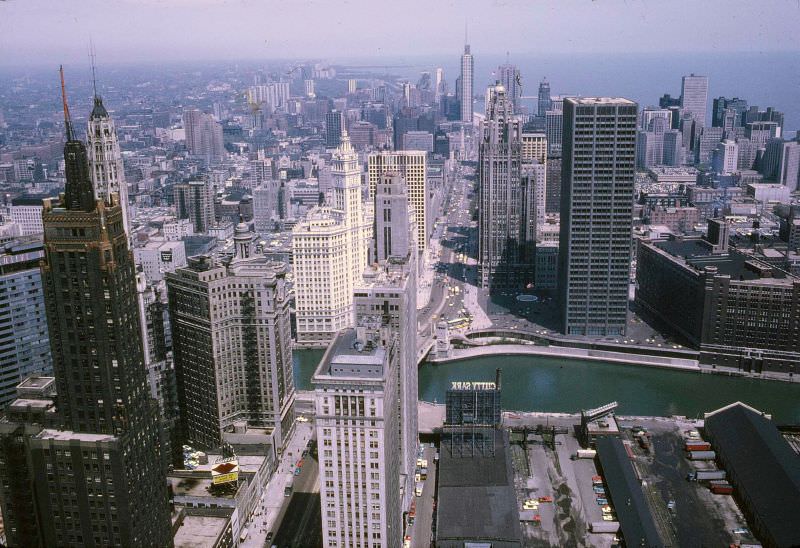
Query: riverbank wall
[628,358]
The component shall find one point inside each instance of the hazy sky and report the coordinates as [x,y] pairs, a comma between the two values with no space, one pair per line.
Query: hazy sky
[54,31]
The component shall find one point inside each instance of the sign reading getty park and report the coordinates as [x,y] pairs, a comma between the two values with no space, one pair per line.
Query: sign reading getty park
[467,385]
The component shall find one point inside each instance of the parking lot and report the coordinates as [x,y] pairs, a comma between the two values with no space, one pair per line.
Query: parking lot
[545,468]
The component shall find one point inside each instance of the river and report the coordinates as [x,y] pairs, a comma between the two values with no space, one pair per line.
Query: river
[534,383]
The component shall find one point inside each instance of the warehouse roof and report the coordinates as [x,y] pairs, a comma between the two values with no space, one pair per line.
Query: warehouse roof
[762,466]
[476,498]
[633,514]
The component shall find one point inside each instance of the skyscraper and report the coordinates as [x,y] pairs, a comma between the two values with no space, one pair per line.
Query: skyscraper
[334,124]
[544,102]
[105,158]
[412,166]
[508,75]
[232,346]
[467,81]
[439,83]
[388,295]
[98,480]
[24,342]
[599,156]
[506,230]
[195,201]
[694,97]
[357,422]
[203,136]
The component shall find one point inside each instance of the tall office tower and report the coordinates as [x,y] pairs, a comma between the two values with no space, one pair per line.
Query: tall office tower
[265,208]
[231,341]
[156,339]
[356,416]
[105,158]
[673,148]
[596,214]
[705,142]
[467,82]
[545,102]
[393,216]
[534,152]
[24,343]
[721,104]
[694,97]
[781,162]
[322,277]
[310,88]
[439,84]
[725,157]
[554,129]
[203,136]
[388,295]
[508,75]
[412,166]
[334,124]
[352,85]
[761,132]
[98,479]
[346,175]
[195,201]
[649,114]
[505,227]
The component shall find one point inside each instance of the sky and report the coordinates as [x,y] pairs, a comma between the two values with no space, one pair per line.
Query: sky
[34,32]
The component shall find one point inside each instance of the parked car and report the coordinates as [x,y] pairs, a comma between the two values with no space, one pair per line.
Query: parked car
[601,501]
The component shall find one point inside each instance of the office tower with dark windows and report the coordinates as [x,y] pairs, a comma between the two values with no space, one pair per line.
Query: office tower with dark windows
[599,157]
[334,124]
[97,480]
[722,104]
[195,201]
[694,97]
[467,81]
[24,342]
[506,225]
[232,346]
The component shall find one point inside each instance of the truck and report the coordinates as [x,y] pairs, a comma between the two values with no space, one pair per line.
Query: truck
[586,453]
[418,489]
[706,475]
[702,455]
[721,487]
[696,445]
[604,526]
[287,491]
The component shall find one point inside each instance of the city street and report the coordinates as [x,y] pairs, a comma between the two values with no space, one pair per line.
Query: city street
[269,517]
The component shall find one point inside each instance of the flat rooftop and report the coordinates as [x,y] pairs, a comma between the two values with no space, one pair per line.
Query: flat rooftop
[476,498]
[200,531]
[698,254]
[347,357]
[590,101]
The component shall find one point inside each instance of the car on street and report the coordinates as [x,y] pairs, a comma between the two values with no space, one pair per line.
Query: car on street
[297,471]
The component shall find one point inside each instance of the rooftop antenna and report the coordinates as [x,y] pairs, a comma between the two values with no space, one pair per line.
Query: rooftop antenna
[92,55]
[67,119]
[466,32]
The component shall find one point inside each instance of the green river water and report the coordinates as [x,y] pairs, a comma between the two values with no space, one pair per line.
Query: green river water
[534,383]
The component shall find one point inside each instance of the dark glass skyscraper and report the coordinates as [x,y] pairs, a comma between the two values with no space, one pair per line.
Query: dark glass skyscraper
[97,480]
[596,209]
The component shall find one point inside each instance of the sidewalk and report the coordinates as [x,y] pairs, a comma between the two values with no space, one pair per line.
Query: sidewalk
[264,518]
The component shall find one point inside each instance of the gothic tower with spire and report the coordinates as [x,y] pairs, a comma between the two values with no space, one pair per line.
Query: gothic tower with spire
[105,158]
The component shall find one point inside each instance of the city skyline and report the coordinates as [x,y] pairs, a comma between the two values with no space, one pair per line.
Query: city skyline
[471,298]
